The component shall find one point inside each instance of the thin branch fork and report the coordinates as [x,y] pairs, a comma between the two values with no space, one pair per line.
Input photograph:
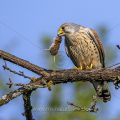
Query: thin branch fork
[56,76]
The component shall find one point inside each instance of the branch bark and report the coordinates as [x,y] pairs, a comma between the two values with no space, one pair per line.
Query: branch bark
[56,76]
[27,106]
[22,63]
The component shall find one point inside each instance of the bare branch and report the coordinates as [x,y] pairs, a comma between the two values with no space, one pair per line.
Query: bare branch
[92,107]
[20,73]
[64,76]
[28,87]
[8,97]
[57,76]
[27,105]
[23,63]
[118,46]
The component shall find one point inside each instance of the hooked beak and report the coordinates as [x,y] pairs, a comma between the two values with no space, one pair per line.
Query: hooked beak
[61,32]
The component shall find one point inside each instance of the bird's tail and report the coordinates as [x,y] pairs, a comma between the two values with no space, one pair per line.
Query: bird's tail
[102,90]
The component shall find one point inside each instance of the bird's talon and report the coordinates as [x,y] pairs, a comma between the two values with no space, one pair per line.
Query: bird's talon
[79,68]
[87,67]
[90,67]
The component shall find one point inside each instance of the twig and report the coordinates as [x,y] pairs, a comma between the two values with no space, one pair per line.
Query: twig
[93,104]
[27,105]
[92,107]
[10,83]
[20,73]
[113,65]
[11,95]
[118,46]
[30,87]
[23,63]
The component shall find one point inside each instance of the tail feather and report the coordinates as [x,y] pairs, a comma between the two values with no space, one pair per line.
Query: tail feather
[102,90]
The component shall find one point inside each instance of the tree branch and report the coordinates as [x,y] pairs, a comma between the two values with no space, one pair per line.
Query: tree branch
[27,105]
[118,46]
[57,76]
[23,63]
[26,88]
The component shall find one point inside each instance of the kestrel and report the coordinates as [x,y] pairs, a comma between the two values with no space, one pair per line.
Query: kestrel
[84,48]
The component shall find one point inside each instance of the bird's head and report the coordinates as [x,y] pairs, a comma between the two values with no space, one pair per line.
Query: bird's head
[67,29]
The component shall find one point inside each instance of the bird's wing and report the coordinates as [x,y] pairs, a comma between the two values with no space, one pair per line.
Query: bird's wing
[66,48]
[94,36]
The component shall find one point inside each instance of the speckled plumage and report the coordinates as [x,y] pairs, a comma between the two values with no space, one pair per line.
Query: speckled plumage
[84,48]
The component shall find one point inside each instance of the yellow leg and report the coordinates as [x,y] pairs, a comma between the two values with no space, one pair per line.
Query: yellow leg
[90,67]
[79,68]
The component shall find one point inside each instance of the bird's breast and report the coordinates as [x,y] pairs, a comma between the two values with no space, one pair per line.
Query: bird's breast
[82,50]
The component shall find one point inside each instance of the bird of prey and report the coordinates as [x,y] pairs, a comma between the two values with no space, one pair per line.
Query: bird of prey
[84,48]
